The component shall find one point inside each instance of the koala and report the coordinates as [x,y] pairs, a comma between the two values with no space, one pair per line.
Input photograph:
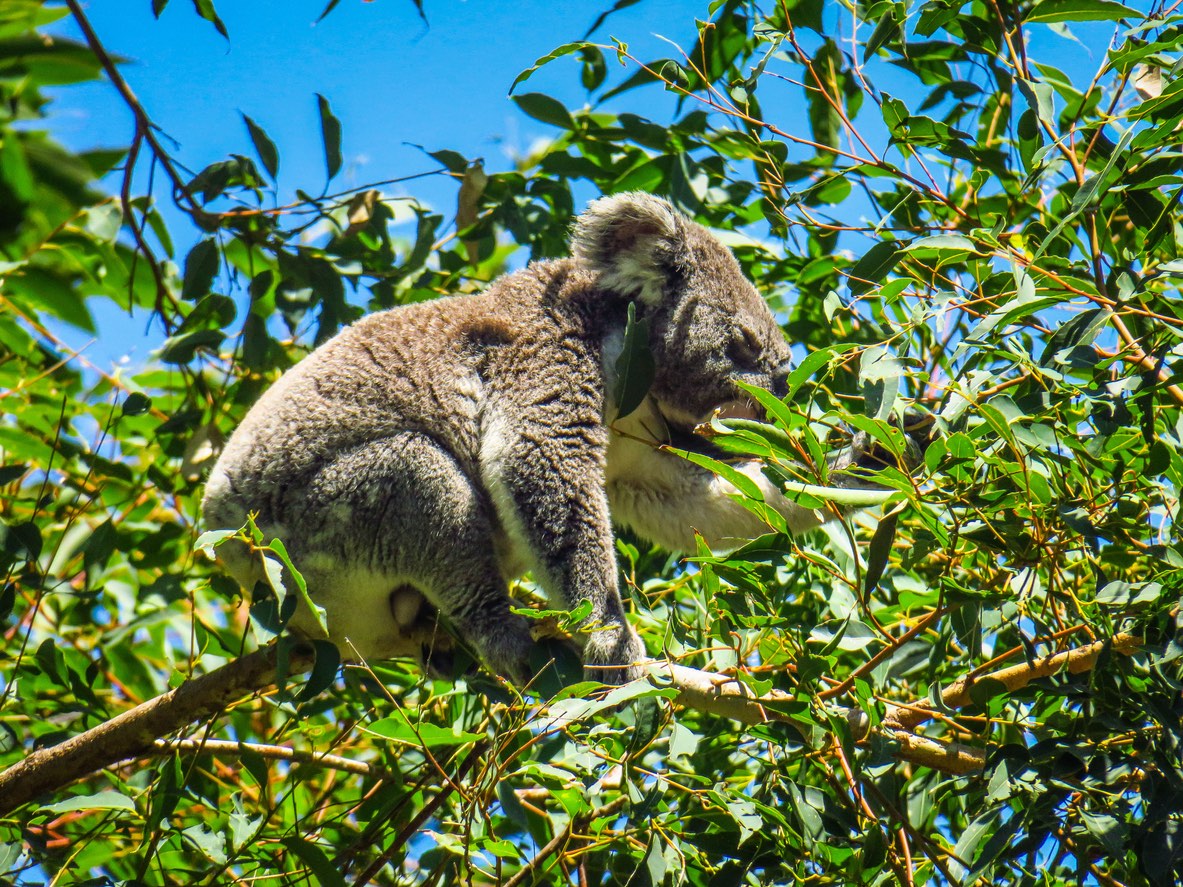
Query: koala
[430,453]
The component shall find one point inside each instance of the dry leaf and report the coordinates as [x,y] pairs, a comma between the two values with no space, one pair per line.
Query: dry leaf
[1148,81]
[361,210]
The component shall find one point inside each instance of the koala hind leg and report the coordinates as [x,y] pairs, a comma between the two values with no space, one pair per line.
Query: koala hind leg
[403,507]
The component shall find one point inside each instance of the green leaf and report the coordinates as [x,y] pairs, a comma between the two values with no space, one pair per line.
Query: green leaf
[330,128]
[104,800]
[874,265]
[48,292]
[957,243]
[324,670]
[565,49]
[544,108]
[317,611]
[972,836]
[1080,11]
[211,539]
[264,147]
[812,364]
[887,29]
[879,551]
[135,404]
[426,735]
[201,266]
[14,168]
[205,9]
[183,348]
[635,368]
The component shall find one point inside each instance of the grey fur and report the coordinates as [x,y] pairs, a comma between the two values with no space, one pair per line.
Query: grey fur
[446,447]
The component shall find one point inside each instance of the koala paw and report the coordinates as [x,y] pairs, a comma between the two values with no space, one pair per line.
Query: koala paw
[614,655]
[919,431]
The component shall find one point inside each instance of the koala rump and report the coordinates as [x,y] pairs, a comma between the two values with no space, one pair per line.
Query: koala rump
[437,450]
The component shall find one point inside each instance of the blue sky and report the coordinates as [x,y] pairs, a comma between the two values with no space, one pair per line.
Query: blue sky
[393,80]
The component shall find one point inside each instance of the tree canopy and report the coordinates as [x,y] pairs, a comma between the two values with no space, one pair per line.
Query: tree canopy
[977,681]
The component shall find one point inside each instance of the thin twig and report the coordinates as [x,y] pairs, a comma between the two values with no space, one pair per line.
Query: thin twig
[274,752]
[143,121]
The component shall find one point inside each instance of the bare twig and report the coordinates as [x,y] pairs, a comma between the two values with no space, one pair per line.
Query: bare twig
[144,124]
[274,752]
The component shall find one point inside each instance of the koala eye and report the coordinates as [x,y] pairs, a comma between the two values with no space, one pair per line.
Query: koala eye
[746,348]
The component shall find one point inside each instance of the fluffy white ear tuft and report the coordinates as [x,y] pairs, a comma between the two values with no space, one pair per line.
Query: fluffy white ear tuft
[632,240]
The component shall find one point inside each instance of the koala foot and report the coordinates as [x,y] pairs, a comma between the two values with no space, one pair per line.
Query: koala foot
[613,655]
[505,648]
[419,624]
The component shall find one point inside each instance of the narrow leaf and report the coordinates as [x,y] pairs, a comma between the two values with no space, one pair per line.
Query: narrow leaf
[635,368]
[201,265]
[105,800]
[205,9]
[565,49]
[879,551]
[1080,11]
[330,128]
[264,147]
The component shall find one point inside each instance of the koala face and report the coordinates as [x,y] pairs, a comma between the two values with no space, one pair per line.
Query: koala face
[710,331]
[709,327]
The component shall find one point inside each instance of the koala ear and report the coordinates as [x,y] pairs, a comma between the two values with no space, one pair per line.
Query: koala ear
[633,241]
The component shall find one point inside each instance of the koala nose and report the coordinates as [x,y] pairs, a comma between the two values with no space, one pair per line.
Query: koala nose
[780,378]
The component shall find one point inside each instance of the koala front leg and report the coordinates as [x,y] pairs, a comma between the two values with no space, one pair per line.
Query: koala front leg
[547,486]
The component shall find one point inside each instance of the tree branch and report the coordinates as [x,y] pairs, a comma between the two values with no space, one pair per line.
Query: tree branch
[274,752]
[138,732]
[144,125]
[133,733]
[957,694]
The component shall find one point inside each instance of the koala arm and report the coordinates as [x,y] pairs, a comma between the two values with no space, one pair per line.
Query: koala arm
[545,473]
[666,499]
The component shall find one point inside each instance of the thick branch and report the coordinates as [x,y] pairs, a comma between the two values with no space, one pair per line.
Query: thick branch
[132,733]
[138,731]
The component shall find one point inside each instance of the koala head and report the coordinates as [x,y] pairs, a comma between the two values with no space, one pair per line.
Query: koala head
[709,328]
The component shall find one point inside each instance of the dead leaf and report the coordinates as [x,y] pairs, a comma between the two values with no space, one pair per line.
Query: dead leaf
[361,210]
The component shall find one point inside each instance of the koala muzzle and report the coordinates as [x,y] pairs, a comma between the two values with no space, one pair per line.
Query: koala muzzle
[780,378]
